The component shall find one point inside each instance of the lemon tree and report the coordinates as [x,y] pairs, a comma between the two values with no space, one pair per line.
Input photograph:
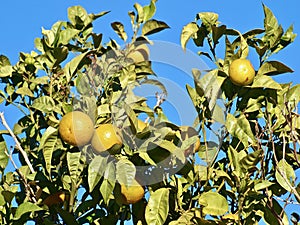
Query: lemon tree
[90,150]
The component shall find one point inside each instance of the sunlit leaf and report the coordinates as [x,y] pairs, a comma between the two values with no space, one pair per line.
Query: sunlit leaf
[3,153]
[78,15]
[26,207]
[149,11]
[285,175]
[209,19]
[6,71]
[75,165]
[264,81]
[213,203]
[96,170]
[49,144]
[273,68]
[44,103]
[240,128]
[187,32]
[125,171]
[157,208]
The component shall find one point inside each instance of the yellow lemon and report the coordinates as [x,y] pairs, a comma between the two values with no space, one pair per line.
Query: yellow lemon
[106,137]
[129,195]
[241,72]
[76,128]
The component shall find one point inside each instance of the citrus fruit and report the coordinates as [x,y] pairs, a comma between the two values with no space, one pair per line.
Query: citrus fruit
[188,132]
[55,198]
[76,128]
[241,72]
[139,54]
[106,137]
[128,194]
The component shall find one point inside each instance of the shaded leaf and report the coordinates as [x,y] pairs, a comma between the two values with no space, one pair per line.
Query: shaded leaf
[156,83]
[273,68]
[119,29]
[153,26]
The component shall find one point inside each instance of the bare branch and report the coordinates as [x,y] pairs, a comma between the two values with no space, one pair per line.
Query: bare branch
[19,147]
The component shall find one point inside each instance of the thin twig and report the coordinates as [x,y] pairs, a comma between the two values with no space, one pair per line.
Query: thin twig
[28,187]
[17,142]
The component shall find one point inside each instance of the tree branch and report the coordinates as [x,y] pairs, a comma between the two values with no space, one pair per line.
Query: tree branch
[17,142]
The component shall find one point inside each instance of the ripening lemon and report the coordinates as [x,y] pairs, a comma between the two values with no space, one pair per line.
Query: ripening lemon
[128,195]
[106,137]
[139,54]
[55,198]
[241,72]
[76,128]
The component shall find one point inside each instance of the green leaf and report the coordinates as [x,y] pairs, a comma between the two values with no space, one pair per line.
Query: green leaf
[125,171]
[26,207]
[153,26]
[285,175]
[273,68]
[217,32]
[187,32]
[261,185]
[66,35]
[119,29]
[208,151]
[140,12]
[270,21]
[25,91]
[6,71]
[44,104]
[109,181]
[67,217]
[78,15]
[213,203]
[149,10]
[3,153]
[264,81]
[4,61]
[49,144]
[106,189]
[240,128]
[250,161]
[156,83]
[96,170]
[235,158]
[157,208]
[208,19]
[71,67]
[75,165]
[293,94]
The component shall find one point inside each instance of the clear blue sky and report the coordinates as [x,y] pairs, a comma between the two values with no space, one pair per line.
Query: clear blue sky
[21,22]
